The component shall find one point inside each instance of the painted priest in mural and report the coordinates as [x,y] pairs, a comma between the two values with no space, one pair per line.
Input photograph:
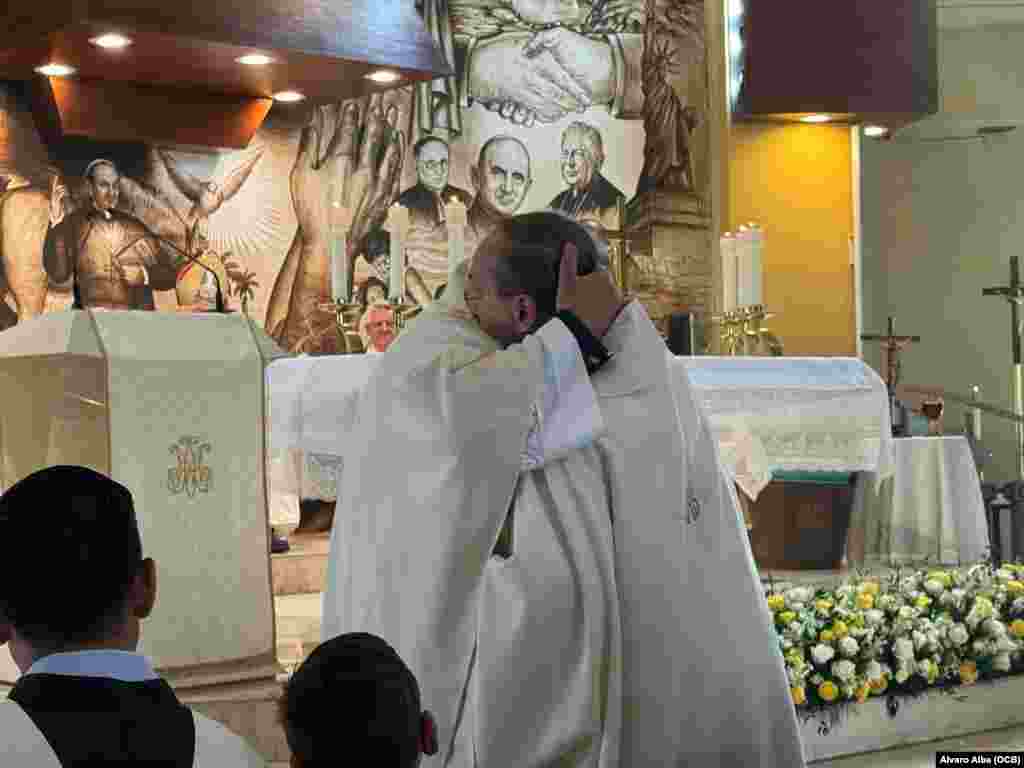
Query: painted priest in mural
[116,261]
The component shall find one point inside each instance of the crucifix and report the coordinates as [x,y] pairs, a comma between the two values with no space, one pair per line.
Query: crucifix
[1014,294]
[892,346]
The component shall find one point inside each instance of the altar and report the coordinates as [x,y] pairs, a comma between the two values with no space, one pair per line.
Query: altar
[771,416]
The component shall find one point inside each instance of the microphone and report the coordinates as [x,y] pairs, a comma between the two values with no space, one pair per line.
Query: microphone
[194,260]
[76,292]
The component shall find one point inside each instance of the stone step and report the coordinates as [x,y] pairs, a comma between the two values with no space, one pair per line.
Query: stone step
[303,569]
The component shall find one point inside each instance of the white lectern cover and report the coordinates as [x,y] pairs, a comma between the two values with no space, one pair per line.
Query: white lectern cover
[173,407]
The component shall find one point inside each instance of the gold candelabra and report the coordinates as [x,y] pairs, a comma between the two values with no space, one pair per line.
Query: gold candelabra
[347,315]
[742,332]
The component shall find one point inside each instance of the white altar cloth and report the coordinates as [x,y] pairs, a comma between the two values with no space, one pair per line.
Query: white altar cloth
[769,414]
[930,508]
[823,414]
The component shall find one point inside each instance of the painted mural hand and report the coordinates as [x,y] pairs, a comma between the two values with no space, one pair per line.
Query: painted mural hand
[352,151]
[588,61]
[522,87]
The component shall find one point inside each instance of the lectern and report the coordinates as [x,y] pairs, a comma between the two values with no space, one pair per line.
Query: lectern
[173,407]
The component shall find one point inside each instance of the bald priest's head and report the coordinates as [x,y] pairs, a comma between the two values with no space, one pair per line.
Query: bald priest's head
[74,578]
[512,284]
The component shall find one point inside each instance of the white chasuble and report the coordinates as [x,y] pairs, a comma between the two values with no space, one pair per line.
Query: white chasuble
[703,677]
[430,468]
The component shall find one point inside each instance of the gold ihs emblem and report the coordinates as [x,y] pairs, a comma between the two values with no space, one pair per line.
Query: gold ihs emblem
[191,475]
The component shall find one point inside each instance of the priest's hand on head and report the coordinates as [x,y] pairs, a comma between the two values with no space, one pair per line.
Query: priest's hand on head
[593,298]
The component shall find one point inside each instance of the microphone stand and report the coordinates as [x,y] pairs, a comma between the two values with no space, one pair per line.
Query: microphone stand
[190,260]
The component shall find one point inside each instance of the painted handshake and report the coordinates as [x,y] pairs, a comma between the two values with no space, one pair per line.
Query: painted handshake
[541,77]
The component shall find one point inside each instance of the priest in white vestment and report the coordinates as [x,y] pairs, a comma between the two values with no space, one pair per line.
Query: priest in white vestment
[446,424]
[628,626]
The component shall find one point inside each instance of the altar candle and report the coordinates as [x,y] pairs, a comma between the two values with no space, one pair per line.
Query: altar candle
[341,222]
[727,246]
[742,247]
[455,218]
[756,266]
[976,414]
[398,223]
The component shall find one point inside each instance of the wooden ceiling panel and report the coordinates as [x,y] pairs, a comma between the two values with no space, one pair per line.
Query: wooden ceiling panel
[187,50]
[127,112]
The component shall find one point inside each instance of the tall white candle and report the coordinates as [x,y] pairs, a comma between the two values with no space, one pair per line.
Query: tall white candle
[756,265]
[743,263]
[398,223]
[455,219]
[727,247]
[340,223]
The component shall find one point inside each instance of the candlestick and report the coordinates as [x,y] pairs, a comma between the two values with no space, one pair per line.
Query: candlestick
[397,224]
[456,219]
[727,246]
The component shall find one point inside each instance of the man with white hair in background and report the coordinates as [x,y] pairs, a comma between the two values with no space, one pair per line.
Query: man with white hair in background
[377,327]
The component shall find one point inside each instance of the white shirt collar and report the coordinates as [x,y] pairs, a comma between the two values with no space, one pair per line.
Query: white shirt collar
[126,666]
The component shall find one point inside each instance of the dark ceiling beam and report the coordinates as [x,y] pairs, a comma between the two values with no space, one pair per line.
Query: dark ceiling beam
[109,111]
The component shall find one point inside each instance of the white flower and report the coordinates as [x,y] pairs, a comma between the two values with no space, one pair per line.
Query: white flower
[924,667]
[822,654]
[848,647]
[903,649]
[1005,645]
[792,675]
[994,628]
[902,674]
[873,617]
[817,678]
[905,612]
[959,594]
[1001,662]
[787,644]
[920,639]
[958,634]
[981,647]
[845,670]
[873,671]
[934,587]
[1017,606]
[1004,575]
[794,627]
[947,600]
[798,595]
[858,631]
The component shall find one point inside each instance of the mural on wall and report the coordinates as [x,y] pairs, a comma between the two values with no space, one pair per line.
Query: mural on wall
[586,107]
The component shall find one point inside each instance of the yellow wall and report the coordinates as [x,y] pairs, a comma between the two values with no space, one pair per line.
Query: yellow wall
[795,181]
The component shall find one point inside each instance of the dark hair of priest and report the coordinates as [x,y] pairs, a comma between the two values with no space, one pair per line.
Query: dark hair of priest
[529,248]
[355,694]
[82,525]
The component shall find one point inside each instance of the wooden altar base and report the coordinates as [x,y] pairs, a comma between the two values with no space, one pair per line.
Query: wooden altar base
[799,526]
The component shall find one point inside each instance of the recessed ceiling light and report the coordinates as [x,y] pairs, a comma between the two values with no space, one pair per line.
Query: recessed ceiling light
[815,118]
[55,70]
[384,76]
[111,41]
[254,60]
[288,96]
[875,130]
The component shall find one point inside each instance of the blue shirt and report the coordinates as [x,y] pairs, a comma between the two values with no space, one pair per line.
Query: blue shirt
[126,666]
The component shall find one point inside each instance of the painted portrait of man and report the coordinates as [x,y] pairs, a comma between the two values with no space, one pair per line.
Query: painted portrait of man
[502,179]
[427,197]
[588,194]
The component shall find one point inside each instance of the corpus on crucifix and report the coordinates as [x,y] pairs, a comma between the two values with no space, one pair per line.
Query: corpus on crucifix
[892,345]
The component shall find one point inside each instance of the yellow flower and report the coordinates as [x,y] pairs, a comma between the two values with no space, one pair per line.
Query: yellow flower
[828,691]
[799,695]
[776,603]
[865,601]
[787,617]
[1017,628]
[862,692]
[840,630]
[942,577]
[968,672]
[923,601]
[823,606]
[868,588]
[826,636]
[878,686]
[1015,587]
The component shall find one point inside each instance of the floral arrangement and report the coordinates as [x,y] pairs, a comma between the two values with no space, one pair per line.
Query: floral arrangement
[901,634]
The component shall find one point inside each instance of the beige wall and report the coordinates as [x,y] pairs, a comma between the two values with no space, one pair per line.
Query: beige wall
[795,181]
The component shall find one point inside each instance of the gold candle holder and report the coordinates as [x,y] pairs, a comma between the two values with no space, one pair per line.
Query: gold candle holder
[346,318]
[404,311]
[742,332]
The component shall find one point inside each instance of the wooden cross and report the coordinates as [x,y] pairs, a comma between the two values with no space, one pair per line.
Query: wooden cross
[893,345]
[618,255]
